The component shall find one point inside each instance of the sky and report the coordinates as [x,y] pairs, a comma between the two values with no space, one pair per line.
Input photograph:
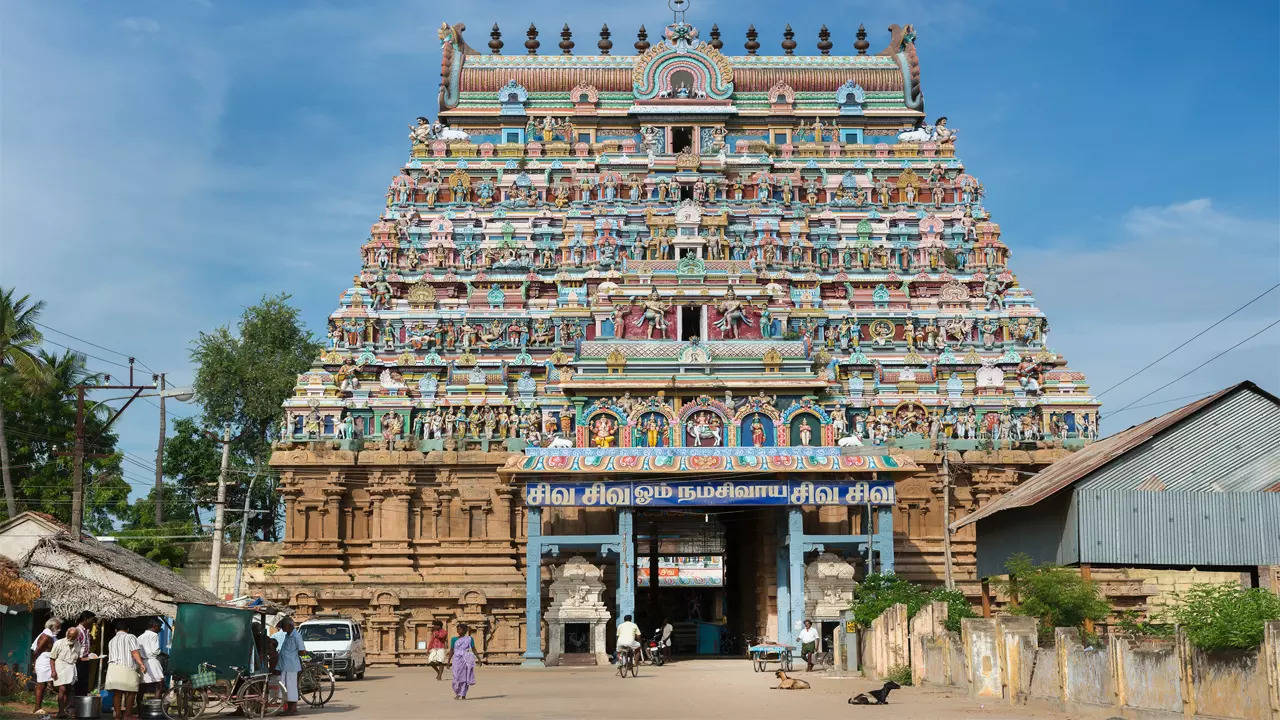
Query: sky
[165,164]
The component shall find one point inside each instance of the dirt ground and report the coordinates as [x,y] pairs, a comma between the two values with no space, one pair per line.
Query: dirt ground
[699,689]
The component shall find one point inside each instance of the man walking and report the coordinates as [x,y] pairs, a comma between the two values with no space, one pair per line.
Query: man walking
[808,644]
[289,644]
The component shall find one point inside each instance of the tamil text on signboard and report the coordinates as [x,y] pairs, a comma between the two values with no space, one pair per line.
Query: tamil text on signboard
[692,492]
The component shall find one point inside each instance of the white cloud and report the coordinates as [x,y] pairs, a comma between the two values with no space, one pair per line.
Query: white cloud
[1118,300]
[140,25]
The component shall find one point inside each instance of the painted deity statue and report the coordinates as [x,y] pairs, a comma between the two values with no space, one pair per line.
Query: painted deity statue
[757,432]
[654,316]
[603,431]
[806,432]
[732,315]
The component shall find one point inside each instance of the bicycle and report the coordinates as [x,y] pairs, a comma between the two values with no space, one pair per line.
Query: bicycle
[183,701]
[315,682]
[255,694]
[627,662]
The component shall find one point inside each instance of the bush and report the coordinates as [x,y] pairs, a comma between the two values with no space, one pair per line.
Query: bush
[879,592]
[1224,617]
[1131,622]
[1054,595]
[958,608]
[900,674]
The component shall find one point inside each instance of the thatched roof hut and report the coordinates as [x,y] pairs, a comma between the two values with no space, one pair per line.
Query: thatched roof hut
[112,581]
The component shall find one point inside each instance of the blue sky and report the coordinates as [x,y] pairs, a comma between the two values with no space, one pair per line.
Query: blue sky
[164,164]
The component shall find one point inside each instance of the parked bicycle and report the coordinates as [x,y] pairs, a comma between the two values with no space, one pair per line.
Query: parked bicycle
[183,700]
[316,682]
[254,694]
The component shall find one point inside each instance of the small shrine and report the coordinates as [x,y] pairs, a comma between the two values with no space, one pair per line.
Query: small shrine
[576,616]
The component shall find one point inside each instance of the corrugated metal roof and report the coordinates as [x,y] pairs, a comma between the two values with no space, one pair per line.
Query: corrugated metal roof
[1100,454]
[1136,527]
[1233,446]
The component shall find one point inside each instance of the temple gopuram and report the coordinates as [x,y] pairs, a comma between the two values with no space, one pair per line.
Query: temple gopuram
[711,319]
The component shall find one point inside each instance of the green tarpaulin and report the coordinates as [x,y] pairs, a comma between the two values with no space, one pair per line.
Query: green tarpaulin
[220,636]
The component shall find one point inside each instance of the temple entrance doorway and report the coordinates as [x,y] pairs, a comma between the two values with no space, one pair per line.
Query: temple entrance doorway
[716,570]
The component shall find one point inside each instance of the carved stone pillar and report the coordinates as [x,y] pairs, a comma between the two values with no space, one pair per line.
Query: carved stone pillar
[389,550]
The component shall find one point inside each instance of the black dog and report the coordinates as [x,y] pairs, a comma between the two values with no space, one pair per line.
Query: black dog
[881,696]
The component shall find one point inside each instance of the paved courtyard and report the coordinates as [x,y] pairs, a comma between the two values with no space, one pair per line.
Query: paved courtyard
[686,689]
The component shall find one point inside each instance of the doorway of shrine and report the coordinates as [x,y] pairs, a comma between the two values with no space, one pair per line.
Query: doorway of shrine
[716,570]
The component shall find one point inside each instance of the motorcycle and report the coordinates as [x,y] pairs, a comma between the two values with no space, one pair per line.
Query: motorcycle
[655,649]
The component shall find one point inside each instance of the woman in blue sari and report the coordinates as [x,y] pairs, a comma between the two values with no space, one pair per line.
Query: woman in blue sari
[464,663]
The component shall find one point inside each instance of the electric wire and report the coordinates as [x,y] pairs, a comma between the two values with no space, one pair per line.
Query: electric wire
[1274,323]
[1165,402]
[1183,344]
[94,344]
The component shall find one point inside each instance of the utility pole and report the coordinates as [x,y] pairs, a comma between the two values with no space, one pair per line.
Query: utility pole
[215,551]
[78,454]
[160,456]
[946,518]
[244,524]
[77,467]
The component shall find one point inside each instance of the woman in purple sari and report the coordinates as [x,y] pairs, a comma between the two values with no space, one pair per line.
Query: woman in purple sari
[464,663]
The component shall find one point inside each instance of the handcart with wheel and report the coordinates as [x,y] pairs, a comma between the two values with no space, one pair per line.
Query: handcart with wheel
[763,654]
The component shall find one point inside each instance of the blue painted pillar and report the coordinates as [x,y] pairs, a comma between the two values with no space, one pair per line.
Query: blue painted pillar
[884,538]
[795,563]
[784,586]
[627,564]
[533,590]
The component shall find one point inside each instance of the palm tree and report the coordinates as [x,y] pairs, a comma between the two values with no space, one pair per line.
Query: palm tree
[19,364]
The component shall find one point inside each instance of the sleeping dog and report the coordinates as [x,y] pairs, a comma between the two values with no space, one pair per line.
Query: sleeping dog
[786,683]
[880,696]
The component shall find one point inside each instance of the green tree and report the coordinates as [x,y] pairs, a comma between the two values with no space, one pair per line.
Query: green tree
[242,378]
[160,543]
[192,457]
[19,366]
[44,427]
[1054,595]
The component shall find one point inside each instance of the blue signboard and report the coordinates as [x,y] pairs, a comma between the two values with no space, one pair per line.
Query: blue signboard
[685,493]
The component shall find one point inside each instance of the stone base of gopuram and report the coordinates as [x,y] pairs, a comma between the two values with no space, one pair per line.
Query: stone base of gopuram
[399,538]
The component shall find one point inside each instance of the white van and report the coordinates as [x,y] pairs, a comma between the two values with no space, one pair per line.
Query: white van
[338,641]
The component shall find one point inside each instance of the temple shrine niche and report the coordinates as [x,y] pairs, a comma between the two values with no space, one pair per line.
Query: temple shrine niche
[606,293]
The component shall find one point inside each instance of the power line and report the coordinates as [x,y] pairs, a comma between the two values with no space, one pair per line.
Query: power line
[1182,344]
[1165,402]
[88,354]
[1206,362]
[94,344]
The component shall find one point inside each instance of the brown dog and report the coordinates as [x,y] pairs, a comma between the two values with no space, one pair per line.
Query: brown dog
[786,683]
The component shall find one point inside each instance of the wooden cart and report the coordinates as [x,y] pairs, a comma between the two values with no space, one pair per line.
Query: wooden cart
[765,653]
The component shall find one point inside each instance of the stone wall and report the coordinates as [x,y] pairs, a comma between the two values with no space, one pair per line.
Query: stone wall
[1133,676]
[398,538]
[1163,584]
[884,644]
[260,560]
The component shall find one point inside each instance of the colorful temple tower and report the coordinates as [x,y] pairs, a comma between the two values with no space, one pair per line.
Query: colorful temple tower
[682,315]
